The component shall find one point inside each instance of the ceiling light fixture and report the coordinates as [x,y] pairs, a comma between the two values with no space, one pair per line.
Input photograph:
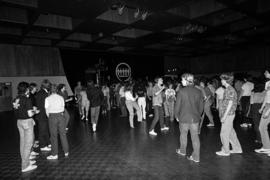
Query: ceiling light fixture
[121,9]
[144,15]
[136,13]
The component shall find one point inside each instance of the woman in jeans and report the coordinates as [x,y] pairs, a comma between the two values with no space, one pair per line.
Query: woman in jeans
[24,112]
[265,119]
[131,105]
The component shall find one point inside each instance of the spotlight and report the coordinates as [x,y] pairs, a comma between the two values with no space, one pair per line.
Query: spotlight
[121,9]
[136,13]
[144,15]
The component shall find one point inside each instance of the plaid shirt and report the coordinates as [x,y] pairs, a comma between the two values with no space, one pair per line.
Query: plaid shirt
[229,95]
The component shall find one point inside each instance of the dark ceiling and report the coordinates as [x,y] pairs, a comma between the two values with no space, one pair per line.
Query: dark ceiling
[171,27]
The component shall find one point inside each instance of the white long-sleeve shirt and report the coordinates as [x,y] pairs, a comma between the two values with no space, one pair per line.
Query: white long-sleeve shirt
[54,104]
[129,96]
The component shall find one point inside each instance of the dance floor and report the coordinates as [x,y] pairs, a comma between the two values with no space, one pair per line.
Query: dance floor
[117,152]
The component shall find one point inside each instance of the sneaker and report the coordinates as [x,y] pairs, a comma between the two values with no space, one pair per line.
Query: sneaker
[244,125]
[49,146]
[249,125]
[51,157]
[222,153]
[33,153]
[86,119]
[46,148]
[262,150]
[151,115]
[210,125]
[236,152]
[94,127]
[29,168]
[165,128]
[192,159]
[66,154]
[32,157]
[82,117]
[179,152]
[153,133]
[32,162]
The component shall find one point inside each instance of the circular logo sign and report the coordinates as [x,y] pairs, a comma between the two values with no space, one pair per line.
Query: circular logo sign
[123,72]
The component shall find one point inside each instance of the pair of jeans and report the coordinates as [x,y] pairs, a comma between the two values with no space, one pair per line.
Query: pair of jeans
[142,105]
[263,127]
[228,135]
[95,114]
[131,105]
[193,128]
[57,124]
[123,106]
[26,131]
[170,109]
[158,115]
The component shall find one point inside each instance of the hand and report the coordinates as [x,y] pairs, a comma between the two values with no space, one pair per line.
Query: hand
[266,115]
[177,119]
[222,120]
[260,111]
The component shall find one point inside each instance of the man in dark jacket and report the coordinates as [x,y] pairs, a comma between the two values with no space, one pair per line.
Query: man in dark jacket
[43,126]
[95,96]
[188,109]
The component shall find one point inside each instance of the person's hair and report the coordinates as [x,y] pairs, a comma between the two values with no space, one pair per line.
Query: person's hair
[228,77]
[46,84]
[60,87]
[22,87]
[53,88]
[258,87]
[32,86]
[128,87]
[189,78]
[157,78]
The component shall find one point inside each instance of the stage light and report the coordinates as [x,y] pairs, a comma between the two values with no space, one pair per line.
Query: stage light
[121,9]
[144,15]
[136,13]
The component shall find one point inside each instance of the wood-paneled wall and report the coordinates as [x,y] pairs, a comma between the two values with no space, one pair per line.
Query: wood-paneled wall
[17,60]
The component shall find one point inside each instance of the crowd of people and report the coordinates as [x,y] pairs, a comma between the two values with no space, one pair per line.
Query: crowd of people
[189,102]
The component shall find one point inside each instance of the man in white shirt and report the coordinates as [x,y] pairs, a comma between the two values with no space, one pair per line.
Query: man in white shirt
[244,99]
[55,106]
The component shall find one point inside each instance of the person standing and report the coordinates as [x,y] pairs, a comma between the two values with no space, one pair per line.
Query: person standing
[85,104]
[227,114]
[122,100]
[141,92]
[43,127]
[55,107]
[131,105]
[77,91]
[188,109]
[63,92]
[158,108]
[170,99]
[95,96]
[265,119]
[24,112]
[244,99]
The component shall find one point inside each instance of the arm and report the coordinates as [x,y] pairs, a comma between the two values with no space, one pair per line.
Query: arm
[177,105]
[46,107]
[158,92]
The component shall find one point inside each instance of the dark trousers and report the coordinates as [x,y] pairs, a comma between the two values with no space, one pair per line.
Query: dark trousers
[158,115]
[57,124]
[256,117]
[123,106]
[95,114]
[193,128]
[149,105]
[245,103]
[43,130]
[67,117]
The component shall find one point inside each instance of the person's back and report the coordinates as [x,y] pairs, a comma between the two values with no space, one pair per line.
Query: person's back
[189,105]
